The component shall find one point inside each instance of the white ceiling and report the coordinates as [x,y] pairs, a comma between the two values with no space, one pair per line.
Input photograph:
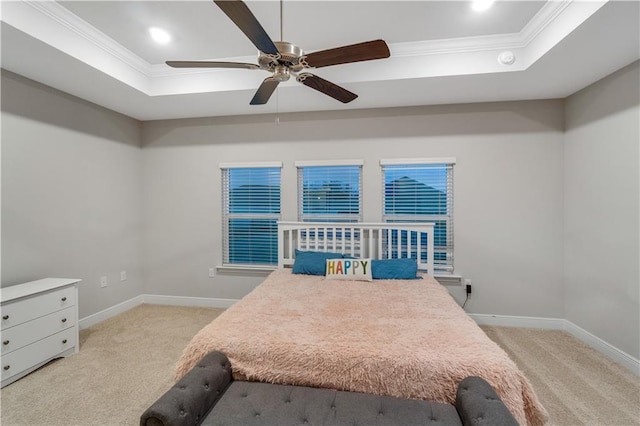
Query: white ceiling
[441,51]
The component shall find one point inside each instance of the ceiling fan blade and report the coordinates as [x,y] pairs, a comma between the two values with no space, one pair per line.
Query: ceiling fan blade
[326,87]
[367,51]
[211,64]
[240,14]
[265,91]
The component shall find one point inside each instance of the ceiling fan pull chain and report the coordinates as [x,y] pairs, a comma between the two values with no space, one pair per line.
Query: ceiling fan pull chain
[277,107]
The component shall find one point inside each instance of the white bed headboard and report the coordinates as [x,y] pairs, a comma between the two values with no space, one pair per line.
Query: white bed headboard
[362,240]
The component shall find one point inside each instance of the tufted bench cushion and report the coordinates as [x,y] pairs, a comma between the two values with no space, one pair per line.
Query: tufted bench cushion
[207,395]
[479,405]
[247,403]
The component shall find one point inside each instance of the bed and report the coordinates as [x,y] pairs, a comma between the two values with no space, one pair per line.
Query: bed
[397,337]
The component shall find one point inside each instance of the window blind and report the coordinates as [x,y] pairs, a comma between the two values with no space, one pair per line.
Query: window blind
[251,210]
[330,193]
[422,193]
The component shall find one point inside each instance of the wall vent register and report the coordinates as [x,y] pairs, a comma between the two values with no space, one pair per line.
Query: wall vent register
[39,323]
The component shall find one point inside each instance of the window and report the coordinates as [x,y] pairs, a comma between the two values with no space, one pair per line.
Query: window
[422,191]
[330,191]
[250,213]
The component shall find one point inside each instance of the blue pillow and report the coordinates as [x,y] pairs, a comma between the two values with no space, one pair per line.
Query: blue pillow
[312,262]
[394,269]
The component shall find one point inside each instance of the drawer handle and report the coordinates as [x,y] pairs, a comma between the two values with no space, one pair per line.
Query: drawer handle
[64,341]
[6,367]
[64,320]
[5,317]
[6,342]
[64,299]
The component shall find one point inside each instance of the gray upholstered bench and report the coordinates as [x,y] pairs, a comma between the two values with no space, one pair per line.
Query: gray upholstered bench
[208,395]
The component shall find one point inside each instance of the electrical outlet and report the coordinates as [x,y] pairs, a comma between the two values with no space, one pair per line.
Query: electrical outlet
[123,275]
[103,281]
[212,272]
[467,285]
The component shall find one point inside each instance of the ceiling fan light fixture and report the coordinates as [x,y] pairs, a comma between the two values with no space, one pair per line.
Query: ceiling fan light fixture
[481,5]
[281,73]
[159,35]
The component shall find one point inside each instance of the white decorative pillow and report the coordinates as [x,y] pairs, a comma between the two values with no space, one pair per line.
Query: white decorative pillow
[349,269]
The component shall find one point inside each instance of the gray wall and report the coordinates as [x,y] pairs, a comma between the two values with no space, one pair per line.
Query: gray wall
[508,191]
[529,190]
[71,193]
[601,193]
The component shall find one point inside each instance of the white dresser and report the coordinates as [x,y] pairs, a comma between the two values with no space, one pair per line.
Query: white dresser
[39,323]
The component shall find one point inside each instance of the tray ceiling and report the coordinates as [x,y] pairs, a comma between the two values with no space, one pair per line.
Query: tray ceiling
[441,51]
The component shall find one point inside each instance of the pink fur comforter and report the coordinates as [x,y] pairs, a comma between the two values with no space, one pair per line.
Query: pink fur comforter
[390,337]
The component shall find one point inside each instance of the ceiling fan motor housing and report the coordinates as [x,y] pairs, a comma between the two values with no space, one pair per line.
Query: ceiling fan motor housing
[288,58]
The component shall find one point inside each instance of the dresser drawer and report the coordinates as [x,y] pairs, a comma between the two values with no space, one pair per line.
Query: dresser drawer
[28,332]
[38,352]
[28,308]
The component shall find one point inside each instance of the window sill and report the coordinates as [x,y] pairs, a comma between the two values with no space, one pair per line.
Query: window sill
[449,279]
[258,270]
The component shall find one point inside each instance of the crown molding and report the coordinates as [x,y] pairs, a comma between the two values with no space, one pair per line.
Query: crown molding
[58,13]
[545,16]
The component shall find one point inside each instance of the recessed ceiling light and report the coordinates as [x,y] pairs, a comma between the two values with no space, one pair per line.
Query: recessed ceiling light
[481,5]
[159,35]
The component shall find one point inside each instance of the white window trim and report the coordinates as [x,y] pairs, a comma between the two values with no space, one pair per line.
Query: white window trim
[323,163]
[243,266]
[447,271]
[244,269]
[251,165]
[407,161]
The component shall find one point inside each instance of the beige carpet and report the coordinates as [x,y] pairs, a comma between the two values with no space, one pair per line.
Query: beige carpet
[576,384]
[127,362]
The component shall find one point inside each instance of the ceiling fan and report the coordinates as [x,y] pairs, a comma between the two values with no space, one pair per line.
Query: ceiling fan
[283,59]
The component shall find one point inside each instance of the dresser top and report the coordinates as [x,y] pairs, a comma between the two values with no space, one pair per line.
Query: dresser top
[27,289]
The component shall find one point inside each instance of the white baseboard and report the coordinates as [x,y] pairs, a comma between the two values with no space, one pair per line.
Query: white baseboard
[109,312]
[603,347]
[155,300]
[514,321]
[595,342]
[204,302]
[613,353]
